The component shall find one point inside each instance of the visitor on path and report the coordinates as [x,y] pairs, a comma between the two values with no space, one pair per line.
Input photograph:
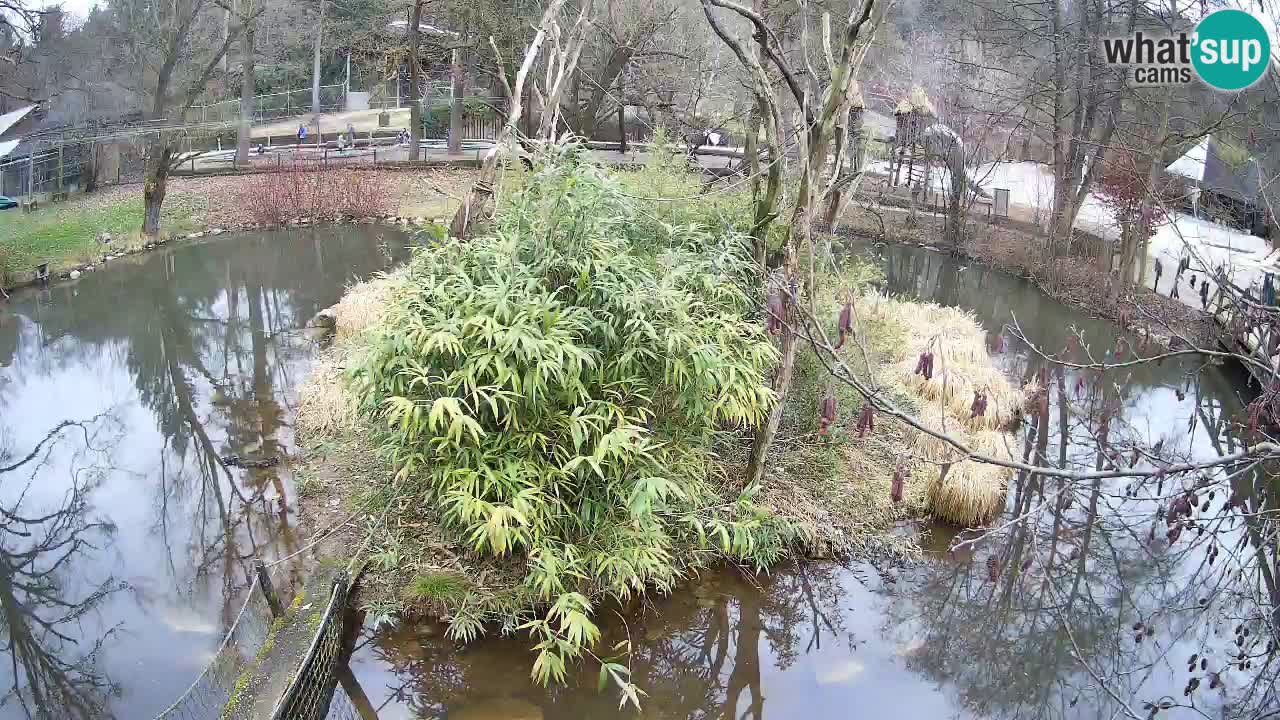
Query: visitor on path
[1155,286]
[351,133]
[302,134]
[1204,295]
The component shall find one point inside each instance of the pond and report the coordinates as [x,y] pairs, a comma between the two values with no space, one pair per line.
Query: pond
[124,541]
[1035,623]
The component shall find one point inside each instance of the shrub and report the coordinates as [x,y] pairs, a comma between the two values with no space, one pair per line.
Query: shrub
[296,192]
[554,389]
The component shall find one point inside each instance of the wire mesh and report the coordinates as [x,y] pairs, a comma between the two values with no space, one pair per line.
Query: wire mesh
[309,694]
[211,692]
[48,171]
[271,106]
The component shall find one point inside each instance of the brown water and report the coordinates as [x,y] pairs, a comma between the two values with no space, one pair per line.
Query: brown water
[949,638]
[124,541]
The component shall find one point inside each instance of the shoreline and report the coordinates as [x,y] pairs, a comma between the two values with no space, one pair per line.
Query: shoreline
[420,198]
[338,470]
[1077,286]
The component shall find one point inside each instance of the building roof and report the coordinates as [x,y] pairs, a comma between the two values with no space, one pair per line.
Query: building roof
[424,25]
[9,119]
[7,146]
[1208,165]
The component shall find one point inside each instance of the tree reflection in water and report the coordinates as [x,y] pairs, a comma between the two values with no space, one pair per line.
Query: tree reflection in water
[1078,605]
[698,654]
[53,670]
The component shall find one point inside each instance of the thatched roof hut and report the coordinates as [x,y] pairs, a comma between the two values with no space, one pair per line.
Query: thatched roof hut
[916,102]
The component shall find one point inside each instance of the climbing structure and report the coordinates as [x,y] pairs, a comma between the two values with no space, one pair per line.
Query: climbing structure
[921,141]
[913,114]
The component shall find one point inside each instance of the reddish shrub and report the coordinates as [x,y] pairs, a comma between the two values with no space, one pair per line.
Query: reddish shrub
[288,194]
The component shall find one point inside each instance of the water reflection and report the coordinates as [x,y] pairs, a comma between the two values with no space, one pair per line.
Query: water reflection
[40,606]
[1086,611]
[798,642]
[192,354]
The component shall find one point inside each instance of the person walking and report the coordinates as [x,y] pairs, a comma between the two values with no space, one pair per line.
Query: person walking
[302,134]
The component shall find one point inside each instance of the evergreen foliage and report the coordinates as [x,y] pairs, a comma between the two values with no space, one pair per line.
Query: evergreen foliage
[554,389]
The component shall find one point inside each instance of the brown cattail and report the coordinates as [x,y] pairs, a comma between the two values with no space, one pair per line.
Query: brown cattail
[845,323]
[828,413]
[997,343]
[866,420]
[924,366]
[899,479]
[993,569]
[979,406]
[777,306]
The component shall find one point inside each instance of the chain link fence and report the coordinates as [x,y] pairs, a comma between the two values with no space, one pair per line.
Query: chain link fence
[309,694]
[209,695]
[333,98]
[45,171]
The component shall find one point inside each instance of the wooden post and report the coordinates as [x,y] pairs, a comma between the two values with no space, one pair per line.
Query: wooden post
[268,591]
[622,119]
[59,167]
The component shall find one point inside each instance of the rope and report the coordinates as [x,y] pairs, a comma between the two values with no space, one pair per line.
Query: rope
[222,646]
[316,540]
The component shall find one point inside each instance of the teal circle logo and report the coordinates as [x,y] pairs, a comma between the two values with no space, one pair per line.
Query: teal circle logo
[1231,49]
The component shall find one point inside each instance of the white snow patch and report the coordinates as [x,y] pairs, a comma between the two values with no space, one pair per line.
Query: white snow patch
[1191,164]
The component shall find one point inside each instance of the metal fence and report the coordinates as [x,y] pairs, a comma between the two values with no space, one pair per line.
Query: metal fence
[271,106]
[52,170]
[309,694]
[208,696]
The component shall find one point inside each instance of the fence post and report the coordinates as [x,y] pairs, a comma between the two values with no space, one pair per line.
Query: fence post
[268,591]
[60,166]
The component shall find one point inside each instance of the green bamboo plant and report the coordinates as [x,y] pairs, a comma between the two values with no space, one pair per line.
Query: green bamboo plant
[555,388]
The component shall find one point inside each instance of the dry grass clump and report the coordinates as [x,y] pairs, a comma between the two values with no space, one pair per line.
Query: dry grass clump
[363,305]
[961,364]
[325,406]
[957,489]
[968,492]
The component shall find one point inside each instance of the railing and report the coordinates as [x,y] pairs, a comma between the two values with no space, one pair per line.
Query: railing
[271,106]
[309,694]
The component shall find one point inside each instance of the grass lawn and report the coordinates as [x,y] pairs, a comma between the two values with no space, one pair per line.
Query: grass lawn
[65,234]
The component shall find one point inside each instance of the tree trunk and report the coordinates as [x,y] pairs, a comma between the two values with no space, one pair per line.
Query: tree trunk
[315,72]
[154,188]
[247,88]
[475,205]
[456,103]
[415,98]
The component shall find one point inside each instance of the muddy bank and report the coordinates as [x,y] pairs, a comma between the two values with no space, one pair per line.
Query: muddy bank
[1071,280]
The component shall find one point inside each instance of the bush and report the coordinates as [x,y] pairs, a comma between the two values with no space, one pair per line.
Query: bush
[277,197]
[554,390]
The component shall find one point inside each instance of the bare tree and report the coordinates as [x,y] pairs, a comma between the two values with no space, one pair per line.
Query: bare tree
[819,112]
[168,55]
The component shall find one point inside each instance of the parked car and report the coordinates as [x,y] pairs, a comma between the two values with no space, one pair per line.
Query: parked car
[7,202]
